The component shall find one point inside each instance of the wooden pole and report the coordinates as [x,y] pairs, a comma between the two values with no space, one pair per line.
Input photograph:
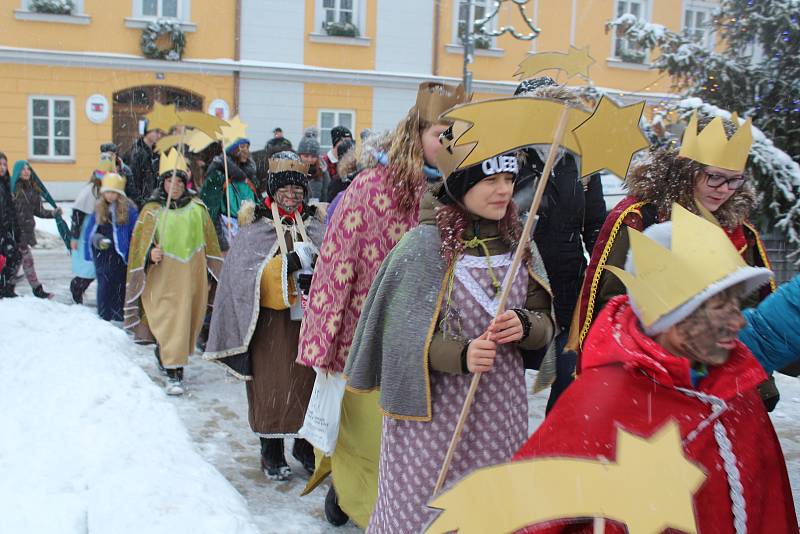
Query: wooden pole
[518,254]
[227,188]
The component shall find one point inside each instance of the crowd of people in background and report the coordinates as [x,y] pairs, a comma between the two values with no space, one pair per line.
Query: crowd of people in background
[285,264]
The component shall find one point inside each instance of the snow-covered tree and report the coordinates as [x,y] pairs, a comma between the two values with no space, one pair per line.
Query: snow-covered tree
[756,72]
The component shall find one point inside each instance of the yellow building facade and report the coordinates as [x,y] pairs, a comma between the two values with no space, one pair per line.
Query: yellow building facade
[72,82]
[291,64]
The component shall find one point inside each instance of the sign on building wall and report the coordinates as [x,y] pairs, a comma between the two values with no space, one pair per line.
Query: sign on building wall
[97,108]
[220,109]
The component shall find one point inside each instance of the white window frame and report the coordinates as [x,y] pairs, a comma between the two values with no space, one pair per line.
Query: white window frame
[50,128]
[647,14]
[700,6]
[184,11]
[359,17]
[456,40]
[324,148]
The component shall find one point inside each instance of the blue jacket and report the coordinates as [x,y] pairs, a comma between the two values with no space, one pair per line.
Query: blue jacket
[772,332]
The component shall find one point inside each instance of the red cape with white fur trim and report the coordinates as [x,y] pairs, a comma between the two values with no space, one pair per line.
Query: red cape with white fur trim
[630,381]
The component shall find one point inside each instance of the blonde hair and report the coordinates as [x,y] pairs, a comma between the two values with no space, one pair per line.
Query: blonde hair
[102,212]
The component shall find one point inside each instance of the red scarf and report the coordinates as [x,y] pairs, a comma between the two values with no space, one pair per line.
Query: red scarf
[282,212]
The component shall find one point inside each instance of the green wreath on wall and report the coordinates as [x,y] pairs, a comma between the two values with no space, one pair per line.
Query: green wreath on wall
[156,29]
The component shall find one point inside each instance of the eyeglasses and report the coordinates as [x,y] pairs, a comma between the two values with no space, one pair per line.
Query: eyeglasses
[715,181]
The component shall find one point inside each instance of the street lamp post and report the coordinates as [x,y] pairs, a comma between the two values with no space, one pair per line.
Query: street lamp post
[480,27]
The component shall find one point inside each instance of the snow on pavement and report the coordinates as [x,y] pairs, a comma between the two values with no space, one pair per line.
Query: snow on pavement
[89,443]
[214,411]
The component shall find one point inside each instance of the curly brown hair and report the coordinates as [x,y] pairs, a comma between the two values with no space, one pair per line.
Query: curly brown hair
[452,220]
[665,178]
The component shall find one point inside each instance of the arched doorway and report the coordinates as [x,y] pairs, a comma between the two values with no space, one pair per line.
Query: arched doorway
[134,103]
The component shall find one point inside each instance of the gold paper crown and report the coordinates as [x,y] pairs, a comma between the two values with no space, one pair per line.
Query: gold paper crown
[701,255]
[172,161]
[284,165]
[113,182]
[712,146]
[434,98]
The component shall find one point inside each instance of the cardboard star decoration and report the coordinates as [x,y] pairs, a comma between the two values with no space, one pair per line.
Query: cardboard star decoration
[197,141]
[604,139]
[163,117]
[166,142]
[610,137]
[508,497]
[575,62]
[236,129]
[209,124]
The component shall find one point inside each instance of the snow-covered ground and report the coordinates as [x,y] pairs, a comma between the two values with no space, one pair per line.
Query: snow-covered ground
[88,436]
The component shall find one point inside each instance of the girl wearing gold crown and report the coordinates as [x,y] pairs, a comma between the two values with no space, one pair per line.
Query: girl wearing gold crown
[450,271]
[173,250]
[381,205]
[257,310]
[107,238]
[707,176]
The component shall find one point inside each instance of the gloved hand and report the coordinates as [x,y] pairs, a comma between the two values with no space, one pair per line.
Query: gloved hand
[306,252]
[100,242]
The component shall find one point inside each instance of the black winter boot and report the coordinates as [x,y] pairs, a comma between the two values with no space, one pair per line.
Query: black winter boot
[174,385]
[333,513]
[303,452]
[273,461]
[39,292]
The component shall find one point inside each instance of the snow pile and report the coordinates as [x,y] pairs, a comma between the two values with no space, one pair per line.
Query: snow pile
[88,442]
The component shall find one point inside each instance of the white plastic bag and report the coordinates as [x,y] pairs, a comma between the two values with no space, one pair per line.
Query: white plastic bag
[321,425]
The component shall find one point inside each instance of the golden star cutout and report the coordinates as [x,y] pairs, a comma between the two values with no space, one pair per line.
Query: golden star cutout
[197,141]
[610,137]
[163,117]
[165,143]
[198,120]
[511,496]
[236,129]
[575,62]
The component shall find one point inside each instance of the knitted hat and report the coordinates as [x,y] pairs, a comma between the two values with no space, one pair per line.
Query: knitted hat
[286,168]
[109,147]
[239,141]
[528,86]
[309,144]
[338,133]
[113,182]
[461,181]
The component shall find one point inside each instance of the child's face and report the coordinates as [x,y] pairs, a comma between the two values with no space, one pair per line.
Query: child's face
[3,166]
[26,173]
[110,196]
[490,197]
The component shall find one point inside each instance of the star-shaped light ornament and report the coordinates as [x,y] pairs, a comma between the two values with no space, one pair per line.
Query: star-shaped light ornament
[650,488]
[162,117]
[575,62]
[610,137]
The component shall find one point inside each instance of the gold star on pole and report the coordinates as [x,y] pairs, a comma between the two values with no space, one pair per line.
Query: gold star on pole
[236,129]
[511,496]
[198,120]
[168,141]
[163,117]
[610,137]
[575,62]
